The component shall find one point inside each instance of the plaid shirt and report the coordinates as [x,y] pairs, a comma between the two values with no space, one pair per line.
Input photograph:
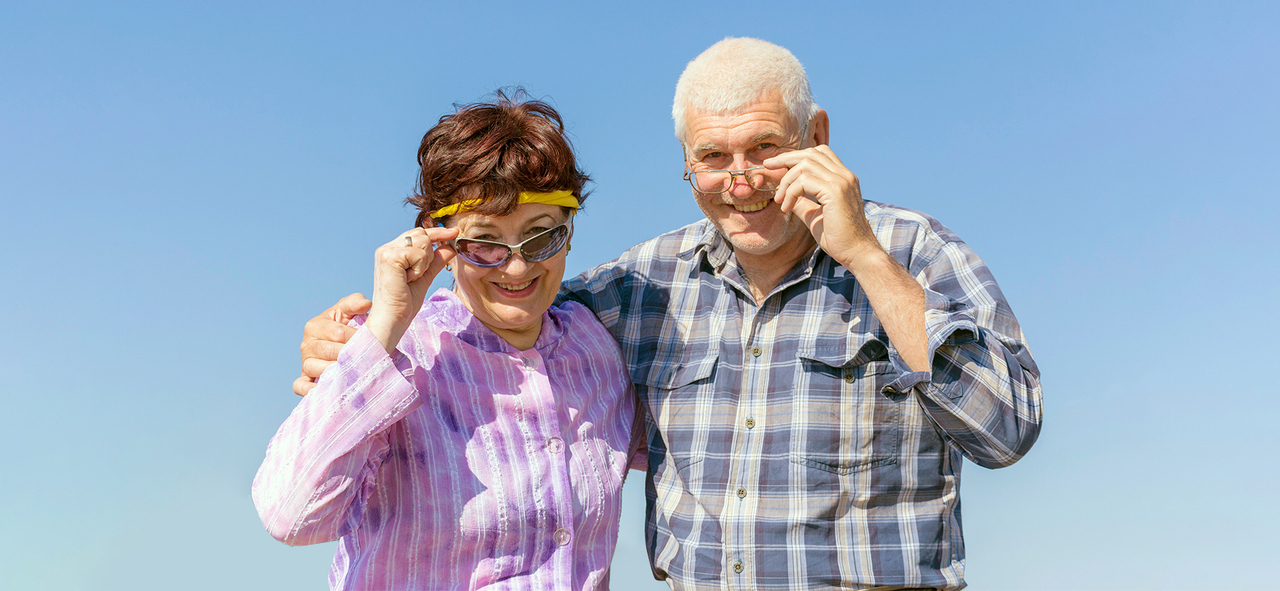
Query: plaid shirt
[790,447]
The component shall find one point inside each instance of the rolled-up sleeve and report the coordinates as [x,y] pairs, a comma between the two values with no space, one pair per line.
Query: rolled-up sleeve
[313,483]
[983,387]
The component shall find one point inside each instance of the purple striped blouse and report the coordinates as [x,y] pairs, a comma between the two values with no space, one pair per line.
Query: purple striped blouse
[460,462]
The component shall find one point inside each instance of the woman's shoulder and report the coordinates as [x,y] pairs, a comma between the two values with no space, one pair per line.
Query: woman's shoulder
[570,311]
[442,318]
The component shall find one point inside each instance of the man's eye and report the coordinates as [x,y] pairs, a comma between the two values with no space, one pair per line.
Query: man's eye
[766,150]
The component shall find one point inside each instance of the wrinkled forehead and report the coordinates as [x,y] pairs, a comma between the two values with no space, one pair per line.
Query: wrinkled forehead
[768,105]
[707,132]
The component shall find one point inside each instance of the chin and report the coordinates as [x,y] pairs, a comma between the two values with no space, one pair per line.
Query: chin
[515,319]
[755,244]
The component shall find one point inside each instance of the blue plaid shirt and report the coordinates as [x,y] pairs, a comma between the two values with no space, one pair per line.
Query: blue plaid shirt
[790,447]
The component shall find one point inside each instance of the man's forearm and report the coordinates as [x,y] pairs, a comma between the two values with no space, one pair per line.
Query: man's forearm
[898,301]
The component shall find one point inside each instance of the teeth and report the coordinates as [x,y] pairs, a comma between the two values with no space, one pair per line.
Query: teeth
[515,286]
[750,207]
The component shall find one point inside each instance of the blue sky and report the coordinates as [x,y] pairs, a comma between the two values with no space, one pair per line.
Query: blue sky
[184,185]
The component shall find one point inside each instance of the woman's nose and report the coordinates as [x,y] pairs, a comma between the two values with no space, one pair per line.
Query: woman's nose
[516,265]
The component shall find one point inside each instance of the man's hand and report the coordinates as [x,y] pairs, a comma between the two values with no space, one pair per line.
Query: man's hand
[825,195]
[324,336]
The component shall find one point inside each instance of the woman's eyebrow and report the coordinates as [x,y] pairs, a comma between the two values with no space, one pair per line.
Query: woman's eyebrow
[487,225]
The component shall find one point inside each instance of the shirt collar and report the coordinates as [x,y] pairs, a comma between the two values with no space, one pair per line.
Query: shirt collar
[717,250]
[710,243]
[454,317]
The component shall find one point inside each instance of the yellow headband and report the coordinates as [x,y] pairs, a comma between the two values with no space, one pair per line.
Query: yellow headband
[561,198]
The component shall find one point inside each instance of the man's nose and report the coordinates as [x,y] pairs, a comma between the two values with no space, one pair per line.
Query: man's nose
[741,189]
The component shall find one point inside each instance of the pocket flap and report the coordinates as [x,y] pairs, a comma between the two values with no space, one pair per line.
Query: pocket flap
[680,373]
[845,356]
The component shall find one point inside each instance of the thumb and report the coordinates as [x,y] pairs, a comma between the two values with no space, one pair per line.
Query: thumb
[352,305]
[808,210]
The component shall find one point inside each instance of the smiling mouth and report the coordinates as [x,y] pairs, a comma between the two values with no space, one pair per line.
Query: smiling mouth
[515,287]
[751,207]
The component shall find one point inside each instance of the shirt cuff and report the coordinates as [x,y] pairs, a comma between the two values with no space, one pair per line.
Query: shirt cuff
[365,375]
[946,322]
[364,346]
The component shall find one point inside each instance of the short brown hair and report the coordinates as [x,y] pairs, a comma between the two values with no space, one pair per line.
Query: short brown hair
[491,151]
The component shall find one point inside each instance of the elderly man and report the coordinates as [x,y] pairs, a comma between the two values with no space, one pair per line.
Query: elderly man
[814,365]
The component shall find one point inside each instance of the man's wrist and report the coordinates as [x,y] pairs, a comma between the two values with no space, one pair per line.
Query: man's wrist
[867,258]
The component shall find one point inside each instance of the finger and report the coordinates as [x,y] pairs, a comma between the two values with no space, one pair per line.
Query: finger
[313,367]
[414,234]
[821,163]
[798,183]
[348,307]
[323,351]
[414,259]
[303,386]
[809,212]
[324,329]
[830,156]
[790,158]
[443,256]
[440,234]
[794,192]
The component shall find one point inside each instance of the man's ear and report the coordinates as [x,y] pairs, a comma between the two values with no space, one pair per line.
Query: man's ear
[820,128]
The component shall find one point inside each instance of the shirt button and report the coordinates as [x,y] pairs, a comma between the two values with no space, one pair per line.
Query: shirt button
[751,423]
[848,377]
[531,362]
[756,351]
[737,567]
[742,493]
[555,445]
[562,537]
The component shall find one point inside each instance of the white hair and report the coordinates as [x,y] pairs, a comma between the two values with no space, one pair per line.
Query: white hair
[733,74]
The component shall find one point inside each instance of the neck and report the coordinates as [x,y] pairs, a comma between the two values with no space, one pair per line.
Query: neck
[522,340]
[765,271]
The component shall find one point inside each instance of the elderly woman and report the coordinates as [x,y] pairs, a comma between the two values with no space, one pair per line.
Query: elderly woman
[478,439]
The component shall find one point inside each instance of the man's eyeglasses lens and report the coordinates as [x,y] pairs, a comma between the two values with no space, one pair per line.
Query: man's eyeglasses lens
[488,254]
[719,181]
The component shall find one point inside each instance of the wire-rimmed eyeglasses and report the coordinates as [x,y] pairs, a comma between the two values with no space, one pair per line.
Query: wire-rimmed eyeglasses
[758,177]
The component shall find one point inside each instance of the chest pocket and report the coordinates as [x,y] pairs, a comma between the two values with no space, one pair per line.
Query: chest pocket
[679,395]
[842,424]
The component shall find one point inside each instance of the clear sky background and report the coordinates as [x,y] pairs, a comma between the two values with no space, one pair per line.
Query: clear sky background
[185,184]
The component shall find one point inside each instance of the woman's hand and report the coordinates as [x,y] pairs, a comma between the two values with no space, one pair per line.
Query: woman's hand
[403,271]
